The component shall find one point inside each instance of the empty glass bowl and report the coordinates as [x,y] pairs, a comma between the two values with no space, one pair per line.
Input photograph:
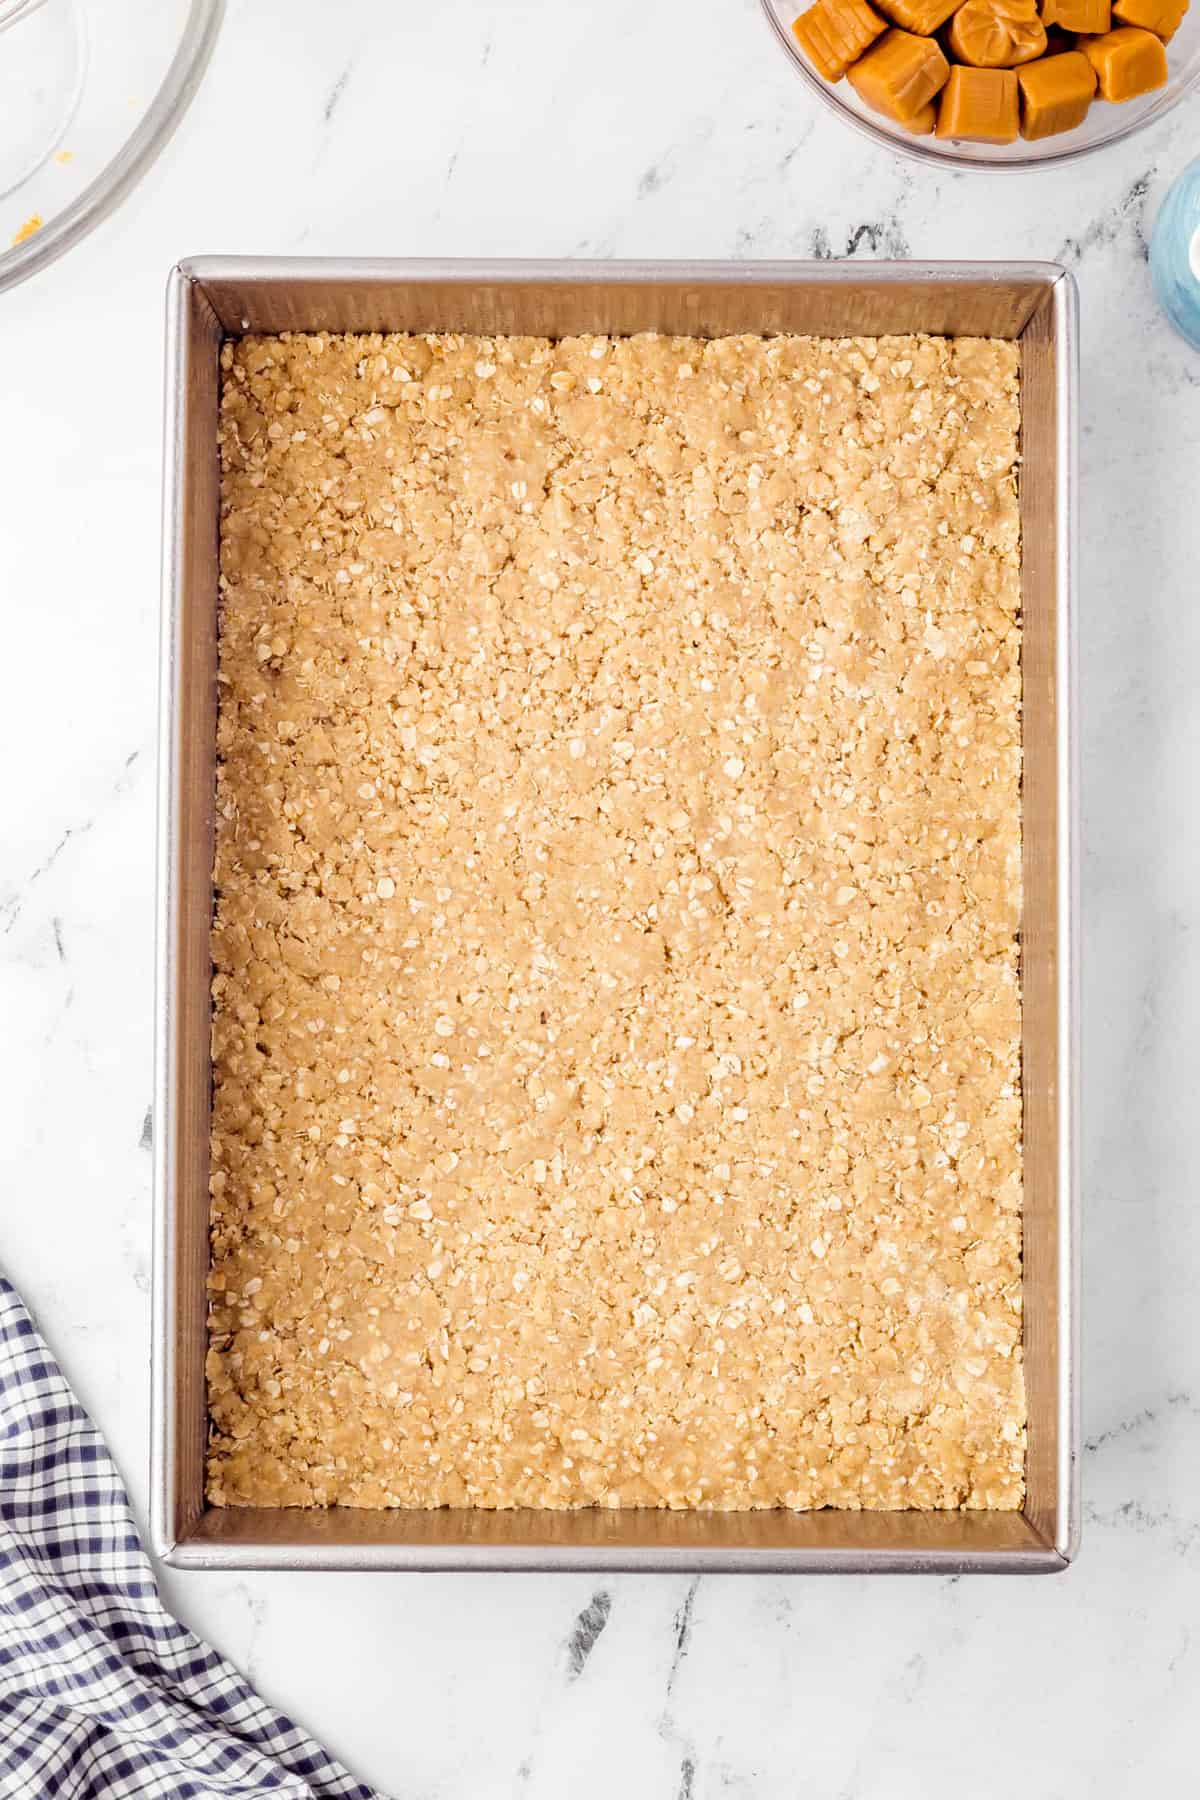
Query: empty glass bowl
[1105,123]
[84,112]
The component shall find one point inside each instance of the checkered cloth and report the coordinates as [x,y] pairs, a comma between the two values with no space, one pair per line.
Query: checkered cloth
[103,1696]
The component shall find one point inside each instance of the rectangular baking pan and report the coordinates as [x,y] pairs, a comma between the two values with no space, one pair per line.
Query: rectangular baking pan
[215,298]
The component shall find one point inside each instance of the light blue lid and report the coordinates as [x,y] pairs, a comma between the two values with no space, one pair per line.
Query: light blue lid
[1175,254]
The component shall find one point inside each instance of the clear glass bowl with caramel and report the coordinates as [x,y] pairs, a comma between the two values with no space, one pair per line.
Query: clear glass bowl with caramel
[1016,91]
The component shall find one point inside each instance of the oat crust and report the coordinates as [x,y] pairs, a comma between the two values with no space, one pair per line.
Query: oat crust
[616,1025]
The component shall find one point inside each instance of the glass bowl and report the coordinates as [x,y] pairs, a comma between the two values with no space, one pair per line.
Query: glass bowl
[1105,123]
[83,113]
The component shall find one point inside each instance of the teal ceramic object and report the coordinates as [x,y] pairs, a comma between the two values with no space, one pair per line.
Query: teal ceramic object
[1175,255]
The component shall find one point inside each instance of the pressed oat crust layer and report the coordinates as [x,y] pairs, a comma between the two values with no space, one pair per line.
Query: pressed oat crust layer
[616,1030]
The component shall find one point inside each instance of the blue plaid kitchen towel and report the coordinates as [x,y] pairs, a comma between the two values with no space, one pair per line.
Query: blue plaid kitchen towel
[104,1696]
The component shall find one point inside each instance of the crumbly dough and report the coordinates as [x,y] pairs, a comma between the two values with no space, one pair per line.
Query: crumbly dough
[616,1030]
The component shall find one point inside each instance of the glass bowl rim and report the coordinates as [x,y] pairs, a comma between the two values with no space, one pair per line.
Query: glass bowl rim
[122,173]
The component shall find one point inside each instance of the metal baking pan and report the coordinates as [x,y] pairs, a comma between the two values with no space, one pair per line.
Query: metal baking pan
[212,299]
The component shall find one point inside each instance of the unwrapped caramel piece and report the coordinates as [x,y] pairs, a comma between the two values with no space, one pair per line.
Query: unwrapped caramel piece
[1077,15]
[1162,17]
[997,34]
[1127,62]
[900,74]
[1056,92]
[834,33]
[980,104]
[921,16]
[922,123]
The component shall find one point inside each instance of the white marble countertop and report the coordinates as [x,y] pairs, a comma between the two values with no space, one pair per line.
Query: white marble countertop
[598,128]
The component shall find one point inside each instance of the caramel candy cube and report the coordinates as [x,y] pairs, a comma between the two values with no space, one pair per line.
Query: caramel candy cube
[900,74]
[980,104]
[921,16]
[997,34]
[1127,62]
[922,123]
[1077,15]
[1162,17]
[1055,94]
[834,33]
